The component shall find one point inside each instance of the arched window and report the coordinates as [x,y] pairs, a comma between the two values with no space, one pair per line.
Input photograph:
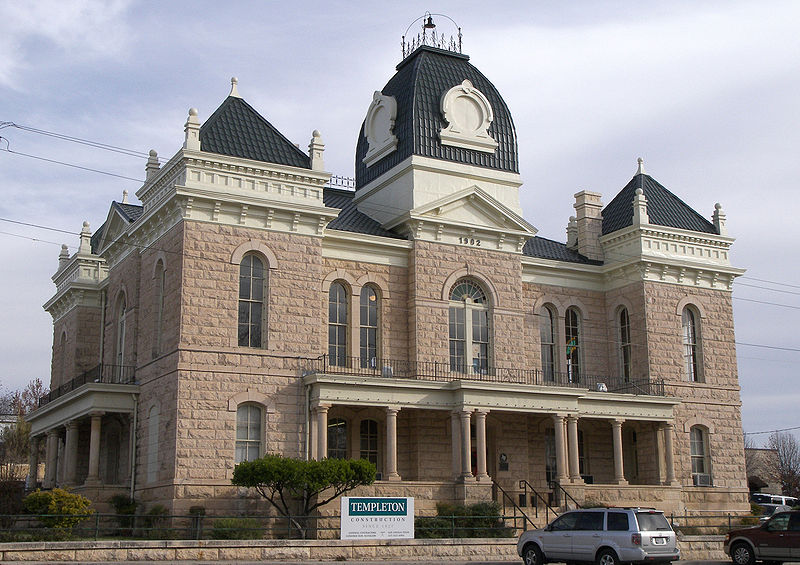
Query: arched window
[337,438]
[469,328]
[153,423]
[701,460]
[547,331]
[252,285]
[624,328]
[369,327]
[369,441]
[337,325]
[160,283]
[119,358]
[691,346]
[248,432]
[572,322]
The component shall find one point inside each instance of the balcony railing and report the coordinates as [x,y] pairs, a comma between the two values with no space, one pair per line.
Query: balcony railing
[116,374]
[438,371]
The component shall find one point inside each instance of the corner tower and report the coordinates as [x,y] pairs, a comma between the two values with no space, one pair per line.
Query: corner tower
[437,158]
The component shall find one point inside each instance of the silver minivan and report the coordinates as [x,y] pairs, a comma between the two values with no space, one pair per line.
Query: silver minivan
[606,536]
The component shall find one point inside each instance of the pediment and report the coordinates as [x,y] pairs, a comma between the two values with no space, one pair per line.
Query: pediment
[114,226]
[474,208]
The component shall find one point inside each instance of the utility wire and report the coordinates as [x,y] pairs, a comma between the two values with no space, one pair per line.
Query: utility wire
[9,150]
[772,431]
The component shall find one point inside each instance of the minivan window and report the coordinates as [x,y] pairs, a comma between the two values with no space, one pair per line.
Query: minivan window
[565,522]
[652,522]
[592,521]
[617,522]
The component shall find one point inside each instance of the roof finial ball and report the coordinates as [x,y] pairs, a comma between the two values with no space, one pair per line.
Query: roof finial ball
[234,87]
[640,170]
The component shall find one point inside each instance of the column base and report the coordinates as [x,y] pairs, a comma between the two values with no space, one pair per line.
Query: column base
[92,482]
[621,482]
[485,478]
[577,481]
[393,477]
[466,479]
[672,483]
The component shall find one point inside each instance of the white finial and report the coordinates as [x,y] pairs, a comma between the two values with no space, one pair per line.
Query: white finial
[192,130]
[86,239]
[152,166]
[640,215]
[63,257]
[234,89]
[720,219]
[124,196]
[640,171]
[572,233]
[315,150]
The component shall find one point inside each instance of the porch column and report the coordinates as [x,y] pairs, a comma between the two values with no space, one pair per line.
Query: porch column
[616,435]
[669,454]
[572,446]
[391,444]
[480,439]
[561,456]
[33,464]
[94,450]
[455,440]
[71,453]
[322,431]
[466,447]
[51,459]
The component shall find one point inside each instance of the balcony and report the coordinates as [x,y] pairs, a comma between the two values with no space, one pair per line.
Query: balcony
[113,374]
[444,372]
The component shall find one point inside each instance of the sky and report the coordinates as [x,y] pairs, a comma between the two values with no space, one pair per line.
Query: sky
[705,92]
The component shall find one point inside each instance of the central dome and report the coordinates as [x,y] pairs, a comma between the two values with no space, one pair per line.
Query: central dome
[418,88]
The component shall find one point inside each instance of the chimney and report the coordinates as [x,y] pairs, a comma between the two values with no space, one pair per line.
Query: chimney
[589,222]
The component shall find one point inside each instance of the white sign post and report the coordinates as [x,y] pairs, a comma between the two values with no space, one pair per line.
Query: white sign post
[377,518]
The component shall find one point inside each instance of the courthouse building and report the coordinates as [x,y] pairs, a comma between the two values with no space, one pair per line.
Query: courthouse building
[252,304]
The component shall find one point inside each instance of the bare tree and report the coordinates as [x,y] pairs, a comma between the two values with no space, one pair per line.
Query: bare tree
[788,451]
[15,439]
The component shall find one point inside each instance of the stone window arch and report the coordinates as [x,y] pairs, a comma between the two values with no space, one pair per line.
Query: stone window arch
[469,327]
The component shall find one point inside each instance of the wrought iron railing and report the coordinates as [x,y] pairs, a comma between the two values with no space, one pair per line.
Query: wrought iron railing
[116,374]
[439,371]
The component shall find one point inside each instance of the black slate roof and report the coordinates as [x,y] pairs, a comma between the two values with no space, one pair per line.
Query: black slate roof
[421,80]
[236,129]
[549,249]
[350,219]
[663,208]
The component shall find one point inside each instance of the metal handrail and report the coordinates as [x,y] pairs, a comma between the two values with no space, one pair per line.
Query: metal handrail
[556,486]
[525,486]
[514,506]
[445,371]
[104,373]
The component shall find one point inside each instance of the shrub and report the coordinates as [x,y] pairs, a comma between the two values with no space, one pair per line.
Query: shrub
[237,528]
[155,520]
[481,520]
[125,509]
[58,508]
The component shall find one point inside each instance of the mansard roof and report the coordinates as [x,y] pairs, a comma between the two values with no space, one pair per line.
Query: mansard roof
[236,129]
[349,218]
[421,80]
[544,248]
[663,208]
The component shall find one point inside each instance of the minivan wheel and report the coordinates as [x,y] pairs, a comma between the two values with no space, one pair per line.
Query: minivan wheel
[532,555]
[607,557]
[741,554]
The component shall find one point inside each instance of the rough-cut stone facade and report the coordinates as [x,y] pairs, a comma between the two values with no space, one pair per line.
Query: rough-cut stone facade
[442,423]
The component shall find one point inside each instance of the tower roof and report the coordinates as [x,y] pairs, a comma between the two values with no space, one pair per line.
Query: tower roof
[663,208]
[421,80]
[236,129]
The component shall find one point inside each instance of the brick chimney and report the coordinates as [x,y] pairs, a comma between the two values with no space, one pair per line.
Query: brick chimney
[590,223]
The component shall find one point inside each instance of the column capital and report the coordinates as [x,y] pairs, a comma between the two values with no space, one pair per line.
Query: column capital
[572,418]
[617,422]
[320,408]
[392,410]
[71,425]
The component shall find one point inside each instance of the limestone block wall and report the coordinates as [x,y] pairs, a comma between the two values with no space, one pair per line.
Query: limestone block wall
[80,349]
[123,280]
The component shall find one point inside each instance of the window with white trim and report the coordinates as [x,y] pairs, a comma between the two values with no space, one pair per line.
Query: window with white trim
[249,434]
[337,438]
[469,328]
[252,291]
[547,332]
[337,325]
[700,455]
[369,310]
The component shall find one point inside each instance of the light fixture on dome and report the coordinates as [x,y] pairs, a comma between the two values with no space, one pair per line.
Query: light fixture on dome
[429,22]
[434,40]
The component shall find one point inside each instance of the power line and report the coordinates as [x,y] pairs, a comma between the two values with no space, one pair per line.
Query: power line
[9,150]
[772,431]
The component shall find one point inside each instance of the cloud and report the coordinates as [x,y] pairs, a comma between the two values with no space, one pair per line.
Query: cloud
[32,32]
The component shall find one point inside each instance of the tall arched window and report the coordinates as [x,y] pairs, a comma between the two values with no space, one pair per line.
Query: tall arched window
[469,328]
[153,425]
[337,438]
[572,323]
[248,432]
[369,441]
[691,346]
[251,302]
[369,327]
[701,461]
[160,283]
[337,325]
[547,332]
[119,358]
[624,344]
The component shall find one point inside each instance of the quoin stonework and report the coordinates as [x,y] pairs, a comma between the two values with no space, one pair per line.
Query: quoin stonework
[251,303]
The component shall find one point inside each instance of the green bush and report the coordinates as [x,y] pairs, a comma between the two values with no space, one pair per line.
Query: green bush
[155,521]
[58,508]
[481,520]
[125,509]
[237,528]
